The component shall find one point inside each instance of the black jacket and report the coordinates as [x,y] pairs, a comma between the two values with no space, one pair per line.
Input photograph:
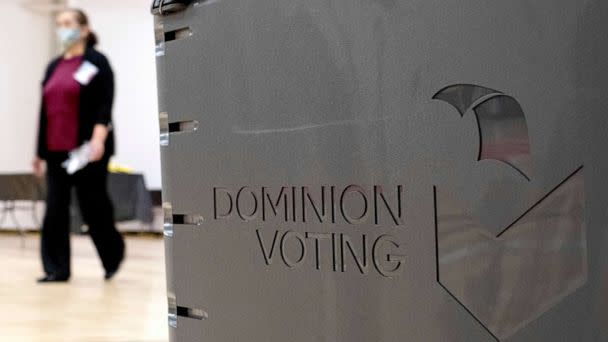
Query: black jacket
[96,99]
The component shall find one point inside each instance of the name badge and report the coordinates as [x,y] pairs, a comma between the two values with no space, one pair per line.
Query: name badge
[86,72]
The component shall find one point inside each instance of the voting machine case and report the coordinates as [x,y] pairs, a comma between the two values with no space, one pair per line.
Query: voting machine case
[384,170]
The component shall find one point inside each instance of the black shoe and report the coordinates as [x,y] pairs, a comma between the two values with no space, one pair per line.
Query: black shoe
[51,278]
[110,274]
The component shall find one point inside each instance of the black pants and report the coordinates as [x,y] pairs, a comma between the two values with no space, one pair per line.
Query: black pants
[96,209]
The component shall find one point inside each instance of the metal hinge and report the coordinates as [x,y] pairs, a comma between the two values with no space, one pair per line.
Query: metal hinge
[171,219]
[165,7]
[177,127]
[176,311]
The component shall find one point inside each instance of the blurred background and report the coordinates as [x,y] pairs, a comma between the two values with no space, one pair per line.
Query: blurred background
[133,306]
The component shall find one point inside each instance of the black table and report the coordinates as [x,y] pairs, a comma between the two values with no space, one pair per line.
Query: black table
[131,199]
[20,187]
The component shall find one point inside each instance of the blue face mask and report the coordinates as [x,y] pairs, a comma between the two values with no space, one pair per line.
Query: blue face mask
[68,36]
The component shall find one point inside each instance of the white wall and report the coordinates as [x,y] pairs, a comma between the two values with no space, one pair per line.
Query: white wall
[126,34]
[25,49]
[127,38]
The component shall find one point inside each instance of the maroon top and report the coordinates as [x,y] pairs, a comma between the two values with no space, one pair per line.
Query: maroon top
[61,104]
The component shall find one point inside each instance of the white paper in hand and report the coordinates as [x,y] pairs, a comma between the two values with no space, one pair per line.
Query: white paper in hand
[78,159]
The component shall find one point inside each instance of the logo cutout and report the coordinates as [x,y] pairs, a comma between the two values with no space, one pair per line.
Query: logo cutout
[507,280]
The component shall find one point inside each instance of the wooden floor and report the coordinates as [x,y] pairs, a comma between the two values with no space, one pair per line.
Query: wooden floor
[130,308]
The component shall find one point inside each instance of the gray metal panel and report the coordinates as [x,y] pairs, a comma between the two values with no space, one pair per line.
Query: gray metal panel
[501,232]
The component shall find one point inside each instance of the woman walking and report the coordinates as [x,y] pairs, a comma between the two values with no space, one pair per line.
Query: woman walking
[78,91]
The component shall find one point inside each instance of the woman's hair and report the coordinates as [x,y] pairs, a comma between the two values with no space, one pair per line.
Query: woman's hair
[83,20]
